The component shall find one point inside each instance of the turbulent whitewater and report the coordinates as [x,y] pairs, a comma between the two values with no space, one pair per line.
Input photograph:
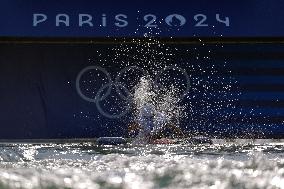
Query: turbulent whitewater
[85,165]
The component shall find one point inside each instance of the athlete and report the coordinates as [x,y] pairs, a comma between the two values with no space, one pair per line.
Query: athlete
[151,126]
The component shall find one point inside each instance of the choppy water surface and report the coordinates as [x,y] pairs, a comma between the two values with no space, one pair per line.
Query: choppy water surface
[85,165]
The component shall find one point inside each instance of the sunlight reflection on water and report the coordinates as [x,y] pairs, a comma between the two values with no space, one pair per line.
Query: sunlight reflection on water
[85,165]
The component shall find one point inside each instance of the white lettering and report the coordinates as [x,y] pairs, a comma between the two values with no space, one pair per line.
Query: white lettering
[38,18]
[121,22]
[104,20]
[62,18]
[83,21]
[226,21]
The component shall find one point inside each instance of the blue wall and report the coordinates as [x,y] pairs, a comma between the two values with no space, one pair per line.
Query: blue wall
[39,98]
[254,18]
[38,94]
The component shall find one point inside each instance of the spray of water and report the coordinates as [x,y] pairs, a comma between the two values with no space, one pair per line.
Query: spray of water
[212,105]
[163,105]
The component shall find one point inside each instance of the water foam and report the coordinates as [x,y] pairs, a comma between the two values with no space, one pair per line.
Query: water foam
[86,166]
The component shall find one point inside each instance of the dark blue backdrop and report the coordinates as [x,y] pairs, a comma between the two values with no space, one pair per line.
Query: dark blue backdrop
[38,97]
[253,18]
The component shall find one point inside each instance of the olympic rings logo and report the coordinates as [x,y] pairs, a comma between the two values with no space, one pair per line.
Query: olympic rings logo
[101,95]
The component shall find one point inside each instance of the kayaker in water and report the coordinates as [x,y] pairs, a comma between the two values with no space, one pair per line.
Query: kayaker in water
[151,126]
[152,111]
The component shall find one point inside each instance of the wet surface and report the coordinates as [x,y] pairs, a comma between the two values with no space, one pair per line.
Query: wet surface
[85,165]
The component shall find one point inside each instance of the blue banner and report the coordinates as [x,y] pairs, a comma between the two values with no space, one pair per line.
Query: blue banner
[88,18]
[55,90]
[77,90]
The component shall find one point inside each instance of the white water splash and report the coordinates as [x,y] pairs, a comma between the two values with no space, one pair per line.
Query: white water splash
[85,166]
[164,104]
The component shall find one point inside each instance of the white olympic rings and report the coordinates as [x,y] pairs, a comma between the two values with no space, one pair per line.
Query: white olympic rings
[100,96]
